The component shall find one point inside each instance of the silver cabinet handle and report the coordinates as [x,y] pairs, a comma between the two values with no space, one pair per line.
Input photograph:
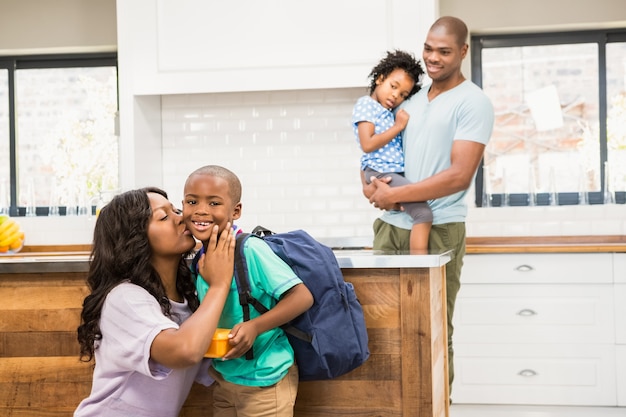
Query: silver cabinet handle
[526,312]
[527,373]
[524,268]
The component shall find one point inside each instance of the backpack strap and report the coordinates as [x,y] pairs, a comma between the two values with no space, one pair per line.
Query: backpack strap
[242,279]
[194,263]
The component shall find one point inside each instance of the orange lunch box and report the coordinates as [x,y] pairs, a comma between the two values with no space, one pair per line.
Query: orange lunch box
[219,345]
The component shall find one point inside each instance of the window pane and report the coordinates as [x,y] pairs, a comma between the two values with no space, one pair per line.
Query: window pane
[616,114]
[546,129]
[65,134]
[4,135]
[4,142]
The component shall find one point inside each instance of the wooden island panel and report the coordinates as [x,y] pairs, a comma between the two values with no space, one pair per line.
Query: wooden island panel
[406,375]
[40,373]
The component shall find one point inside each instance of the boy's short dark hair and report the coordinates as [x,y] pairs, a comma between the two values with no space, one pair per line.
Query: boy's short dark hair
[234,185]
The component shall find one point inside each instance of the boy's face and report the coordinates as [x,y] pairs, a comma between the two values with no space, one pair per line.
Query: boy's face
[207,203]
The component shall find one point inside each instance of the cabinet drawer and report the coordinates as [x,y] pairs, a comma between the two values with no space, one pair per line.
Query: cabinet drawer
[534,314]
[535,374]
[538,268]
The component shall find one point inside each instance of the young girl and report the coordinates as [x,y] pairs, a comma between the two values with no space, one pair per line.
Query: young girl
[142,320]
[379,134]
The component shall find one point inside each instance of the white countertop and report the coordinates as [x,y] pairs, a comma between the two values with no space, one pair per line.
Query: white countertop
[377,259]
[353,258]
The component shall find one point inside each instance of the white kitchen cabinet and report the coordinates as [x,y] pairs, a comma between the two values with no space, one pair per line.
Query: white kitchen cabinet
[538,268]
[535,373]
[196,46]
[522,313]
[536,329]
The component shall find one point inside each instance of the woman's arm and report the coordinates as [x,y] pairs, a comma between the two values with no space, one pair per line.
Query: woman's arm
[185,346]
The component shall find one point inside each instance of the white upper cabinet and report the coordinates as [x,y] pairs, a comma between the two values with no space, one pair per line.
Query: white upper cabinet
[199,46]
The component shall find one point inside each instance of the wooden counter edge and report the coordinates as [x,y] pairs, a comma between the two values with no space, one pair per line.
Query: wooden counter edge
[547,244]
[55,249]
[501,244]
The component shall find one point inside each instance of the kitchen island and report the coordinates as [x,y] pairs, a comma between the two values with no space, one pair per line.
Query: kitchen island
[403,299]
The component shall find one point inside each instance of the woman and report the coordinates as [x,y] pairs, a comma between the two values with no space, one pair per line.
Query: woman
[142,320]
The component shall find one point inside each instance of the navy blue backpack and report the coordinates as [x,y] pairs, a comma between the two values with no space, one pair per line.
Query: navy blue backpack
[329,339]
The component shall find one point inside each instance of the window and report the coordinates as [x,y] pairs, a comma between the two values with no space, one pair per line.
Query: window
[560,130]
[57,133]
[4,141]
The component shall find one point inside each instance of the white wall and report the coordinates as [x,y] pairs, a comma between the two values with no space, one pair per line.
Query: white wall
[45,26]
[515,16]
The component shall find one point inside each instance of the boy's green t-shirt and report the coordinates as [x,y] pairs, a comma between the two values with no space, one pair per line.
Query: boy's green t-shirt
[270,278]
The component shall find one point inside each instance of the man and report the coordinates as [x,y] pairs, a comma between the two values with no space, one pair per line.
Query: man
[450,123]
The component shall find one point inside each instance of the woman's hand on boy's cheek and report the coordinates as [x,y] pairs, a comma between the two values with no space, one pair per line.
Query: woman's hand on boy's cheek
[217,264]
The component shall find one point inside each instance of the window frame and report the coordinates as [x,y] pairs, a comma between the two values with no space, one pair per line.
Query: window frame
[601,38]
[42,61]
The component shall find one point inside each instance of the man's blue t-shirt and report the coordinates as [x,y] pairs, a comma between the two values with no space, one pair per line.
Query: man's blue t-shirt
[462,113]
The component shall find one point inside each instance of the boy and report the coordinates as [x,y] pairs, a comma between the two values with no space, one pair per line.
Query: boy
[267,383]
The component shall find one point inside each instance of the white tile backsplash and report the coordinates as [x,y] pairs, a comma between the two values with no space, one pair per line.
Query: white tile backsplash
[298,161]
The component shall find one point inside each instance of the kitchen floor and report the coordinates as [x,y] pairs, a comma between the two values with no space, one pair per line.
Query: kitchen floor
[475,410]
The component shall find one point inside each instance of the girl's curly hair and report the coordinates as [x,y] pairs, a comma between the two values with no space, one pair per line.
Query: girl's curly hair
[121,252]
[398,60]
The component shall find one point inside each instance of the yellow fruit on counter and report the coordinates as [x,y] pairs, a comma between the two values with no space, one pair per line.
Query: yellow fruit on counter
[5,223]
[10,232]
[11,237]
[16,244]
